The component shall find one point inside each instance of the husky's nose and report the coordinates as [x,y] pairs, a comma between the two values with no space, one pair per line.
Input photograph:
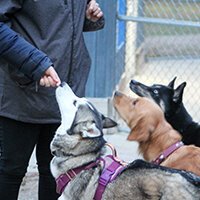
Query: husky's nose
[117,93]
[134,82]
[62,84]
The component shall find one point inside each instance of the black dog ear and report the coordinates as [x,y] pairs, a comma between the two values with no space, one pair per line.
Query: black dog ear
[178,93]
[171,83]
[107,122]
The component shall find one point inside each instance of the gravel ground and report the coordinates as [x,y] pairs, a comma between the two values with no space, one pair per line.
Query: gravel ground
[28,190]
[126,150]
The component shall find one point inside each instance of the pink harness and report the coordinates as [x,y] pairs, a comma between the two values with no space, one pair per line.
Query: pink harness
[167,152]
[108,175]
[63,180]
[112,166]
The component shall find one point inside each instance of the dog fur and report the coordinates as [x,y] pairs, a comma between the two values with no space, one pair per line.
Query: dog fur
[79,140]
[170,100]
[154,134]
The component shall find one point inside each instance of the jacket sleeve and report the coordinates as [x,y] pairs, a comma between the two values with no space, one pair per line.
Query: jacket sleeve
[93,26]
[17,51]
[21,54]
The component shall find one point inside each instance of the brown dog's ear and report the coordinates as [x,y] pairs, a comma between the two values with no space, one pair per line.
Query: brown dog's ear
[141,132]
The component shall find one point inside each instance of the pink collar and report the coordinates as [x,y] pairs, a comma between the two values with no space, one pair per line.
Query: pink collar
[167,152]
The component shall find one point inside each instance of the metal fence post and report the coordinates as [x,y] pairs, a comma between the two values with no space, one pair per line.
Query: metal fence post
[132,9]
[162,41]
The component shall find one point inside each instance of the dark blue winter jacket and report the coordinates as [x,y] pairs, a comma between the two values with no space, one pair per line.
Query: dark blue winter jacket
[35,34]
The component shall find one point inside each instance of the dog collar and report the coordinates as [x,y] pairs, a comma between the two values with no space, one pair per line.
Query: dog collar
[167,152]
[64,179]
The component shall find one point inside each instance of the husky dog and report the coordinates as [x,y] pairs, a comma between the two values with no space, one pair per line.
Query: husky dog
[170,100]
[79,142]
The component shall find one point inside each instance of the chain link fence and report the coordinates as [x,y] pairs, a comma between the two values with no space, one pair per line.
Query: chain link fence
[162,40]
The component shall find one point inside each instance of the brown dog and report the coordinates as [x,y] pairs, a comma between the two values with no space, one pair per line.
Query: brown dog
[154,134]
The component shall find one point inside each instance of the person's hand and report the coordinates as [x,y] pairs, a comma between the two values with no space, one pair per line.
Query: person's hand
[50,78]
[93,11]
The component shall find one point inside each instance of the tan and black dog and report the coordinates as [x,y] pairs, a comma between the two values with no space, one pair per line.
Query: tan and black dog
[154,134]
[170,99]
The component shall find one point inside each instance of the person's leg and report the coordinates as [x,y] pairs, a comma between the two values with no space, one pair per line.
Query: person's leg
[17,142]
[47,184]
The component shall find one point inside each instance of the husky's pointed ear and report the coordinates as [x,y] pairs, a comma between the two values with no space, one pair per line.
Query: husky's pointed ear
[178,93]
[107,122]
[171,83]
[91,131]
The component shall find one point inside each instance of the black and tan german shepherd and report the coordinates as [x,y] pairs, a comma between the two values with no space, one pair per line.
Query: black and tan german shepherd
[171,102]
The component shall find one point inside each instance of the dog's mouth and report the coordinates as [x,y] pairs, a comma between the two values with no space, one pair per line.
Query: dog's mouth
[138,88]
[57,150]
[59,153]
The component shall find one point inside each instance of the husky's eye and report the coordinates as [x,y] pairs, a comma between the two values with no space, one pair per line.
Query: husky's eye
[155,91]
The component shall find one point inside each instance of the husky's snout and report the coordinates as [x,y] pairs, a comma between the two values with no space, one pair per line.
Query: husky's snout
[65,98]
[65,90]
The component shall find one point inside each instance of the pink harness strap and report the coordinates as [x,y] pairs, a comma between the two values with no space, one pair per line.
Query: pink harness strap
[108,175]
[167,152]
[64,179]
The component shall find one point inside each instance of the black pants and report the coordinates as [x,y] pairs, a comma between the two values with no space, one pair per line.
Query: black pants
[17,141]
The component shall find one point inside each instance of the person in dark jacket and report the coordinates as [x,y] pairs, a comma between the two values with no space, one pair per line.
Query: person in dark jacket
[41,44]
